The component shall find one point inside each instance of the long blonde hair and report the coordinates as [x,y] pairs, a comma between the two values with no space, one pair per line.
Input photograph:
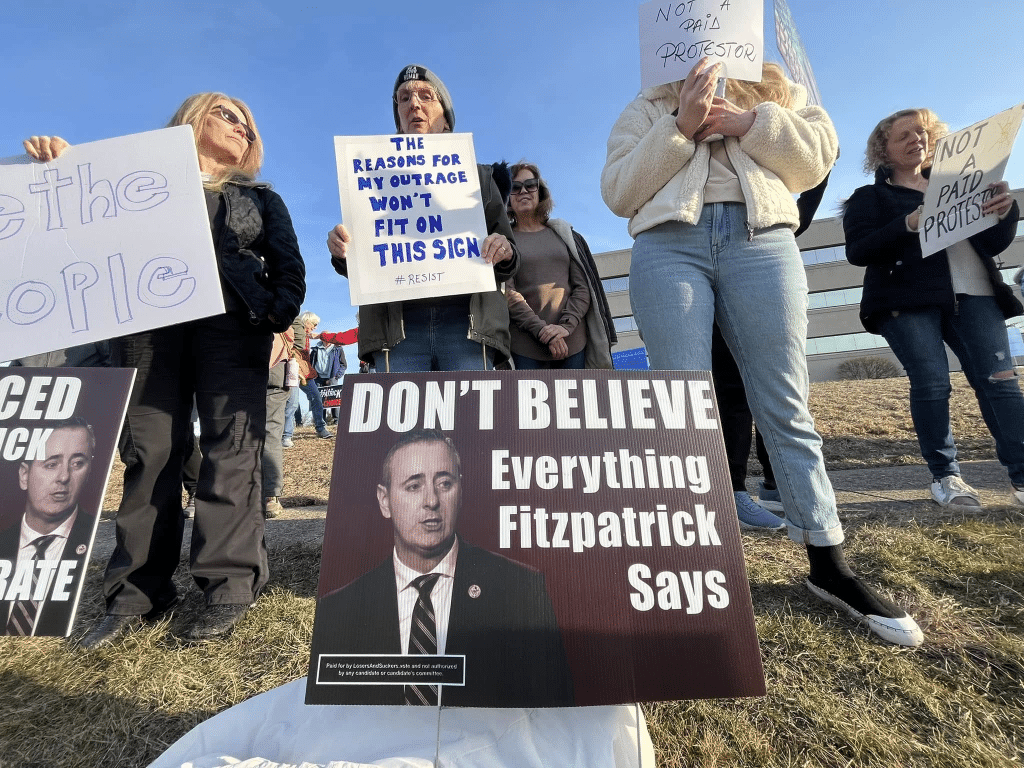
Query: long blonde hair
[773,87]
[194,111]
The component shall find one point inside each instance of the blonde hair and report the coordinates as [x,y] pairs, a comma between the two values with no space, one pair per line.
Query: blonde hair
[773,87]
[874,155]
[194,111]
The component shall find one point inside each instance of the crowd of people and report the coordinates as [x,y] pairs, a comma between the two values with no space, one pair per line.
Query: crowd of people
[707,182]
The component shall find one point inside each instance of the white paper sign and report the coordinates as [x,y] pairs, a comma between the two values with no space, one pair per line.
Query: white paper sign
[966,162]
[675,35]
[413,207]
[111,238]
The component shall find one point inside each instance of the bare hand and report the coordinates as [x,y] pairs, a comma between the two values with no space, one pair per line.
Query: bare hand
[337,241]
[559,349]
[1001,199]
[914,219]
[496,249]
[45,148]
[551,332]
[695,97]
[727,119]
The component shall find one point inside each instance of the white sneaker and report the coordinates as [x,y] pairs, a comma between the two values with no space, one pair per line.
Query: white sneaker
[952,491]
[1018,496]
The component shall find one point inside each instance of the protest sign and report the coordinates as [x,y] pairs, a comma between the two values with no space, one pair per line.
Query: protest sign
[413,207]
[58,431]
[598,556]
[966,162]
[330,395]
[676,35]
[111,238]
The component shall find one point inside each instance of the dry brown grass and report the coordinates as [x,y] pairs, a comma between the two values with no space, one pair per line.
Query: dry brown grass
[836,696]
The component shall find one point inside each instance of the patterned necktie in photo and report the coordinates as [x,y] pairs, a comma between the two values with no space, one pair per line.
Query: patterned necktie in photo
[423,637]
[23,612]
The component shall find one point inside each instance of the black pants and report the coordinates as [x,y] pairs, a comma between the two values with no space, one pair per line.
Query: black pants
[735,415]
[222,362]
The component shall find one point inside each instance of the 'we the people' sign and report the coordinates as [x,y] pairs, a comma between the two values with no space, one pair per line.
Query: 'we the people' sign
[111,238]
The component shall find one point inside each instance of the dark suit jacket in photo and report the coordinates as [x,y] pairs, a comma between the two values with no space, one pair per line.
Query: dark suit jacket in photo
[501,620]
[55,618]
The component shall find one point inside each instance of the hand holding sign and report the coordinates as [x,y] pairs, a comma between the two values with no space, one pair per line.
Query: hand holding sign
[45,148]
[695,97]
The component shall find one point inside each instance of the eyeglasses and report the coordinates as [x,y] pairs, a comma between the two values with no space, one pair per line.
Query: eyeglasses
[228,116]
[529,185]
[425,95]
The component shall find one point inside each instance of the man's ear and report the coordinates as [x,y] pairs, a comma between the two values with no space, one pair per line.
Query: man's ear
[383,502]
[23,475]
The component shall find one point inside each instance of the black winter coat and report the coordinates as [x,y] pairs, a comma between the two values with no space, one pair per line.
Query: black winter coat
[258,255]
[897,276]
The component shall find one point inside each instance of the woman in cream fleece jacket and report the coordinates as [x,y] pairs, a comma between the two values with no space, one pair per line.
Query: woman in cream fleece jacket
[707,183]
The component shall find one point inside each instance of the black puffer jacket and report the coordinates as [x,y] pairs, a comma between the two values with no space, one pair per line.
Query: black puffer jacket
[897,276]
[258,254]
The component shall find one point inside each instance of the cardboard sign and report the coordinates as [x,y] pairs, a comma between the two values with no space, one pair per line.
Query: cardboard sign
[413,207]
[330,395]
[598,557]
[111,238]
[966,162]
[676,35]
[58,431]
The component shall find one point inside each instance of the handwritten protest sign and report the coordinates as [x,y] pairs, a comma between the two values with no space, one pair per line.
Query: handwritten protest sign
[413,207]
[966,162]
[58,431]
[593,551]
[675,35]
[111,238]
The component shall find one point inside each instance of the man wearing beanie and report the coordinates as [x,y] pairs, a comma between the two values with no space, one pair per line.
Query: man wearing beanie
[446,333]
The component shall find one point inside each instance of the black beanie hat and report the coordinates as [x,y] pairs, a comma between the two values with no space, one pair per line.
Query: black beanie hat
[418,72]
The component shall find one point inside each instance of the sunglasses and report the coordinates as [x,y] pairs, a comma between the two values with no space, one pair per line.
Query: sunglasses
[230,117]
[530,185]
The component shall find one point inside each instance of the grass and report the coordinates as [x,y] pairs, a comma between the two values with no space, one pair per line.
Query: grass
[836,696]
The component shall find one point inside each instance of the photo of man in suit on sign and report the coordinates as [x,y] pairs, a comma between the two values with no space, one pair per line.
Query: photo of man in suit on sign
[43,555]
[439,595]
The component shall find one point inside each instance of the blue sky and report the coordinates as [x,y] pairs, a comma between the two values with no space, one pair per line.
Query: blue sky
[542,81]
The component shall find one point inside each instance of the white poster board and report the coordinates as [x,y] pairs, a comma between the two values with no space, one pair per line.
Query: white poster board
[966,162]
[413,208]
[111,238]
[675,35]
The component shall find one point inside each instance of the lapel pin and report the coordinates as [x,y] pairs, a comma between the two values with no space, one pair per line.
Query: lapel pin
[80,549]
[474,591]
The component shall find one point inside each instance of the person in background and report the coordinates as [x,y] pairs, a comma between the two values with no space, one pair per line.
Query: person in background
[448,333]
[707,184]
[277,398]
[304,329]
[956,296]
[221,362]
[559,313]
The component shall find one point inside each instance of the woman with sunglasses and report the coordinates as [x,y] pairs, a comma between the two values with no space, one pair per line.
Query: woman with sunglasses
[557,307]
[221,361]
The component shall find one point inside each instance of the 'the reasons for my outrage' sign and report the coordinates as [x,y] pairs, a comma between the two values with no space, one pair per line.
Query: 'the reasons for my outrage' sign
[413,207]
[675,35]
[966,162]
[111,238]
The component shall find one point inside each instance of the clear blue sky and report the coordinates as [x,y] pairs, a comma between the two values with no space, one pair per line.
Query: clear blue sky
[539,80]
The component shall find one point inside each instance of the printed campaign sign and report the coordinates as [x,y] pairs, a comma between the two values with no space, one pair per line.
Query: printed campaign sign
[583,527]
[111,238]
[966,162]
[675,35]
[330,395]
[58,431]
[413,207]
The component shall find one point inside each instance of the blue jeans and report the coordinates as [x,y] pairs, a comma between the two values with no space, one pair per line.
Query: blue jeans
[976,333]
[572,362]
[436,339]
[316,405]
[684,277]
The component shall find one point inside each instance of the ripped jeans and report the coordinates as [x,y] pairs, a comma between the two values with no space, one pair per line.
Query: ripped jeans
[976,333]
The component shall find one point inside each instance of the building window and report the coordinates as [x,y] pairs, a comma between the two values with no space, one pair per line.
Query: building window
[625,324]
[841,298]
[847,343]
[615,284]
[824,255]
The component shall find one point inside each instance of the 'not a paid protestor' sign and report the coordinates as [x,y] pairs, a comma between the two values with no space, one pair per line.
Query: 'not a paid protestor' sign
[966,163]
[111,238]
[413,207]
[676,35]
